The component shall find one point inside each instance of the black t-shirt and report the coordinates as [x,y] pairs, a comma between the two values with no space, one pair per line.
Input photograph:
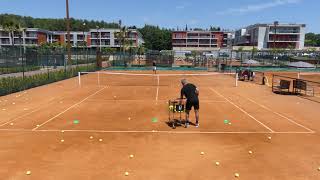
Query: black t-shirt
[189,91]
[154,64]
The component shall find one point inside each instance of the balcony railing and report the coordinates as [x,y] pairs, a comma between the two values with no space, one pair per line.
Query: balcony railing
[284,39]
[279,31]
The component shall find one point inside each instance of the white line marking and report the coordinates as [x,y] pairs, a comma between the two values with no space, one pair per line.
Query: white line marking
[245,112]
[292,121]
[69,108]
[155,131]
[157,95]
[138,100]
[136,74]
[35,110]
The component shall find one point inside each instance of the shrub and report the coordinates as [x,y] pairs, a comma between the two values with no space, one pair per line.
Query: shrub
[15,84]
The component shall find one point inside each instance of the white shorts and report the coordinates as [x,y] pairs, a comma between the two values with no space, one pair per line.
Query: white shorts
[154,68]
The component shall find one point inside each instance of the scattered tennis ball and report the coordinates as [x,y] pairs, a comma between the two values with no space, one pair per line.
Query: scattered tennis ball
[126,173]
[237,175]
[154,120]
[100,140]
[250,152]
[202,153]
[28,173]
[217,163]
[226,121]
[131,156]
[62,140]
[76,122]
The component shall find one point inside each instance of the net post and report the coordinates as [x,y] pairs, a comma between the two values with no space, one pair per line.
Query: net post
[79,78]
[237,76]
[98,78]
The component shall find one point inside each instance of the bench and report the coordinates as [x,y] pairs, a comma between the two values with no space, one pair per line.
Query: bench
[284,85]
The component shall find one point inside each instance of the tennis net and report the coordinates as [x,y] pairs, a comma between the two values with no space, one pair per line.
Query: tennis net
[104,78]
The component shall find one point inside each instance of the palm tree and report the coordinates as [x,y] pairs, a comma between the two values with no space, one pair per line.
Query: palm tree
[11,28]
[141,51]
[254,51]
[122,37]
[240,50]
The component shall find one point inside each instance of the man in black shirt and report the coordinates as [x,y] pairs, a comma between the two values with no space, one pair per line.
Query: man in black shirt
[191,92]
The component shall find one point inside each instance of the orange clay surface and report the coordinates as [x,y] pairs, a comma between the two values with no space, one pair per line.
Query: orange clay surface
[120,113]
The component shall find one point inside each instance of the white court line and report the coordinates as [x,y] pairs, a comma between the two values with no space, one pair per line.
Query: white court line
[35,110]
[245,112]
[143,100]
[292,121]
[69,108]
[155,131]
[157,95]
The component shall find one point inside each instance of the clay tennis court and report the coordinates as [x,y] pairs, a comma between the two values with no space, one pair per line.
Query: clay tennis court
[110,116]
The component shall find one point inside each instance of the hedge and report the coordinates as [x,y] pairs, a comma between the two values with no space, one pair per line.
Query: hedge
[10,85]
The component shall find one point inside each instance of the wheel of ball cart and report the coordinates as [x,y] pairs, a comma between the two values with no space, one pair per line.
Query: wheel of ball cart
[171,115]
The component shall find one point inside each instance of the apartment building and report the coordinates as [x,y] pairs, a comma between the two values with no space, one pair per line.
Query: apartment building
[92,39]
[108,38]
[28,37]
[200,40]
[266,36]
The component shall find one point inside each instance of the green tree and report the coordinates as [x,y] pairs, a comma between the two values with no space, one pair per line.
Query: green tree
[156,38]
[240,50]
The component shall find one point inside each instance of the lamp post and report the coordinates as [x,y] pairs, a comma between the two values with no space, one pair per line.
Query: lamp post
[83,41]
[21,55]
[276,23]
[68,32]
[98,38]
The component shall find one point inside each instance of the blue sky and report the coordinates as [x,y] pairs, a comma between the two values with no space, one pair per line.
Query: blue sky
[229,14]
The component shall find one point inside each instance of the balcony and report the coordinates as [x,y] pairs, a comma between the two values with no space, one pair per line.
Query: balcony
[192,43]
[4,34]
[6,42]
[284,40]
[31,35]
[179,44]
[280,31]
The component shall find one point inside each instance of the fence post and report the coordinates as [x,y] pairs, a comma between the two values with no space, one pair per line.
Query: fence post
[272,81]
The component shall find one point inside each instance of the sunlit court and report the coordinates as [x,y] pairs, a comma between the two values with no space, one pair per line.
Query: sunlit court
[160,90]
[115,123]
